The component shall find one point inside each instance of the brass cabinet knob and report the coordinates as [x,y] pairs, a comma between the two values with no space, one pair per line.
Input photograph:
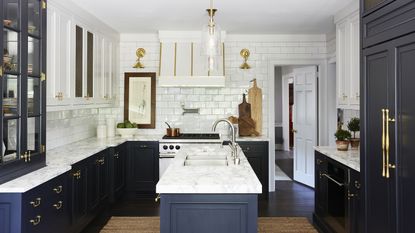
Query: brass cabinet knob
[36,221]
[58,205]
[36,202]
[294,131]
[58,189]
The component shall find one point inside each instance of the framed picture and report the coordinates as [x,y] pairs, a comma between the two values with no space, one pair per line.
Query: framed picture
[140,99]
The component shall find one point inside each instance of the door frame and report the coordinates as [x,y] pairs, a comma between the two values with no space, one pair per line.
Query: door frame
[322,123]
[285,119]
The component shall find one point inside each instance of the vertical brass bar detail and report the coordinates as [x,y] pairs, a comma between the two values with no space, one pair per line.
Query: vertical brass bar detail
[175,57]
[387,144]
[161,49]
[191,62]
[43,4]
[383,144]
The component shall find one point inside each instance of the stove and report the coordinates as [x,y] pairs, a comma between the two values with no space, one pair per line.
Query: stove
[194,136]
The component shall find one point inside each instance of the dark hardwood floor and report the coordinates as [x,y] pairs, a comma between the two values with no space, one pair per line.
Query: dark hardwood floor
[284,160]
[290,199]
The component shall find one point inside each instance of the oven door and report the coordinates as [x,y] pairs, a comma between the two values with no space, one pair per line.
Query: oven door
[164,163]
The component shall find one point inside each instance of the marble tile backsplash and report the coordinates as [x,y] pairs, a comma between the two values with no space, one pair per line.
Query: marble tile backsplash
[213,103]
[64,127]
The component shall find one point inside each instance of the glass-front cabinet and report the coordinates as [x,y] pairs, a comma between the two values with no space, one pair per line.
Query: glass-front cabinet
[23,85]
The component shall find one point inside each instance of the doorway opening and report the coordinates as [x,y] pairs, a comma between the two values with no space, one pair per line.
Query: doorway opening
[296,104]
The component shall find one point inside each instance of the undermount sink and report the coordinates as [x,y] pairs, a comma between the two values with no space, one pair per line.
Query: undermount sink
[206,162]
[206,157]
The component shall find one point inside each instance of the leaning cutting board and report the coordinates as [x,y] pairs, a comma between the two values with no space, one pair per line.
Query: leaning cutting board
[245,122]
[255,99]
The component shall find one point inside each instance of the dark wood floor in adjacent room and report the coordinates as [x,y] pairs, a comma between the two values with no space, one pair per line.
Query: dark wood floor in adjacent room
[290,199]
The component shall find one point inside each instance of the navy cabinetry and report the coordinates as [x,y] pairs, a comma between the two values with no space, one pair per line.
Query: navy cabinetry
[142,168]
[118,170]
[337,196]
[23,87]
[41,209]
[387,119]
[98,179]
[78,184]
[257,155]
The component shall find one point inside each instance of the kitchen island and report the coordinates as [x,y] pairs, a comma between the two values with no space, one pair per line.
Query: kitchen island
[204,191]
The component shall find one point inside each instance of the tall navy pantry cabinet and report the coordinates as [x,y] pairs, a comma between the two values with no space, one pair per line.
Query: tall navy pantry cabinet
[388,115]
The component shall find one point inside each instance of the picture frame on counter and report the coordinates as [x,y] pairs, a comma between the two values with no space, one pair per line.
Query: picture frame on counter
[140,98]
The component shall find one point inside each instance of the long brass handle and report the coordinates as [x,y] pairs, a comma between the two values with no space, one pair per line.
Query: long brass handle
[36,220]
[383,144]
[387,144]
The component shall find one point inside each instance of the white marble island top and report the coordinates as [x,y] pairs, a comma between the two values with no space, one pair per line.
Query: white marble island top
[350,158]
[236,179]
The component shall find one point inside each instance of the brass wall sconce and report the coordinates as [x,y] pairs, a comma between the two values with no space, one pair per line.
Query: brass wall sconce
[245,54]
[140,54]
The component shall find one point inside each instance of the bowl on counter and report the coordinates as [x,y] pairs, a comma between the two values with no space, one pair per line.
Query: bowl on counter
[127,132]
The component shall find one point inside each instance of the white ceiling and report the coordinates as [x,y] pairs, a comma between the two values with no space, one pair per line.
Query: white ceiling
[234,16]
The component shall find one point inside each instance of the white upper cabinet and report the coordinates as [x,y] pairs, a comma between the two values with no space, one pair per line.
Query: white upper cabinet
[81,59]
[348,58]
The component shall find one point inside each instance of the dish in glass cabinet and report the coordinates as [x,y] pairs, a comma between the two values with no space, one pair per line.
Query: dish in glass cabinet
[7,22]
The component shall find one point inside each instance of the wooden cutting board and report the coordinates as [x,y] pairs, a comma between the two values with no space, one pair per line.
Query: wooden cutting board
[245,122]
[255,99]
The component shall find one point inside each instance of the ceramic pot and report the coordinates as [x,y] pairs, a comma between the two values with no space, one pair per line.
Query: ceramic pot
[355,143]
[342,145]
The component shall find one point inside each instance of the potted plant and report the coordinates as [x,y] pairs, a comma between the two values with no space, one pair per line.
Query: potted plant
[354,126]
[342,139]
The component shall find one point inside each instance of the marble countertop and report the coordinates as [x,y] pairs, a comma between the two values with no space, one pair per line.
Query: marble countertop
[208,179]
[59,160]
[350,158]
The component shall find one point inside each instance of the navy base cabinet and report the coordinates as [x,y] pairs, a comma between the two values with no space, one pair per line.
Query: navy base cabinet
[42,209]
[142,168]
[207,213]
[258,156]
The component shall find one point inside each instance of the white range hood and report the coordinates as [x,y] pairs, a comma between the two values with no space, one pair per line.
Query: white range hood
[181,62]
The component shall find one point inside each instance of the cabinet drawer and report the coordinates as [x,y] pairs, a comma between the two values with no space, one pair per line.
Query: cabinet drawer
[392,21]
[253,149]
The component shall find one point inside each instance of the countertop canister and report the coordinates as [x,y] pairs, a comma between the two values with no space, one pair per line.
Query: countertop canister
[101,131]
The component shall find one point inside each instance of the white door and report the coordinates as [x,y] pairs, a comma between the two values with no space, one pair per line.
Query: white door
[305,123]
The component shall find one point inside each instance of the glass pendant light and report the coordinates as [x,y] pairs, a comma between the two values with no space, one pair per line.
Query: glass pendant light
[211,41]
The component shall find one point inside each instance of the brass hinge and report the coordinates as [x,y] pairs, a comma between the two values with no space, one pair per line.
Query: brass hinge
[43,148]
[43,77]
[43,4]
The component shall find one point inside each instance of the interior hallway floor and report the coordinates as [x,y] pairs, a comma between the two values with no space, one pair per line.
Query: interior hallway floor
[290,199]
[284,161]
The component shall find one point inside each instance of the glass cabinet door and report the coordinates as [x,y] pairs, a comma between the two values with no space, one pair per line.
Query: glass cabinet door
[11,81]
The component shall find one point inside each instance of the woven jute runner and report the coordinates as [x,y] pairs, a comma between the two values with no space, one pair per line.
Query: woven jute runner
[152,225]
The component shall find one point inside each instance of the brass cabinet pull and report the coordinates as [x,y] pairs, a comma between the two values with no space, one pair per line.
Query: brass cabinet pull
[36,202]
[157,198]
[383,144]
[387,143]
[36,221]
[58,205]
[351,195]
[77,174]
[116,155]
[29,155]
[58,189]
[319,161]
[100,161]
[143,146]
